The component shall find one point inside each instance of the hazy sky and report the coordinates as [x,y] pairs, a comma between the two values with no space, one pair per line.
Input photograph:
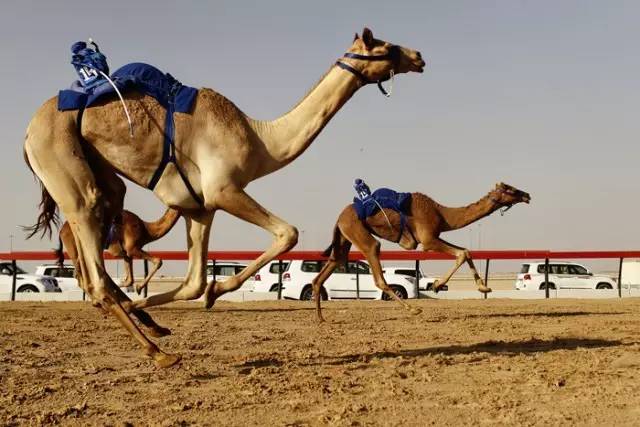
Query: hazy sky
[539,94]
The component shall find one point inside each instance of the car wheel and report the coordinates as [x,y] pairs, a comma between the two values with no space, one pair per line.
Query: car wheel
[604,286]
[552,286]
[307,294]
[28,288]
[398,290]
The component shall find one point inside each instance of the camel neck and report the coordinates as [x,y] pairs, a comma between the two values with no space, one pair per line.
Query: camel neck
[462,216]
[289,136]
[162,225]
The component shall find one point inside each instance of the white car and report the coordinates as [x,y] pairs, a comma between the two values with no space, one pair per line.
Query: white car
[424,283]
[562,275]
[25,282]
[65,276]
[266,279]
[225,269]
[296,282]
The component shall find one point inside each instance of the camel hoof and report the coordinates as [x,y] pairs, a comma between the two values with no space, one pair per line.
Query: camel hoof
[415,311]
[159,331]
[484,289]
[139,289]
[436,286]
[165,360]
[210,296]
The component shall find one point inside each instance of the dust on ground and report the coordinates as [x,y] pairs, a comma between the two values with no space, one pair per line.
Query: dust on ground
[550,362]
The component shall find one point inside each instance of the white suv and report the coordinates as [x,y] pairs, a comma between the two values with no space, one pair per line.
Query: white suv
[296,282]
[266,279]
[25,282]
[226,269]
[424,283]
[65,276]
[562,275]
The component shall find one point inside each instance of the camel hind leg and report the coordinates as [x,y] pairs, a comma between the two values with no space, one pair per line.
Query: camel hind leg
[339,253]
[355,231]
[57,159]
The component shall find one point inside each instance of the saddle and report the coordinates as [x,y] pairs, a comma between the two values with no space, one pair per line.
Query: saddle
[383,207]
[144,78]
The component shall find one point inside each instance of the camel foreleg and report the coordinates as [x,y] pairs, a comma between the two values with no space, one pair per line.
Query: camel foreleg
[242,206]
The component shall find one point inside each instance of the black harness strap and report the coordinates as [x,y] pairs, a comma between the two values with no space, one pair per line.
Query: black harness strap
[169,155]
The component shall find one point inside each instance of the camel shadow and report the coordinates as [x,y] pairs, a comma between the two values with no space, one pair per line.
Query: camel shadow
[512,348]
[228,310]
[545,314]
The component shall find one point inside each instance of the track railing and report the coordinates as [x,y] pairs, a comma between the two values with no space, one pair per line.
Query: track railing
[416,256]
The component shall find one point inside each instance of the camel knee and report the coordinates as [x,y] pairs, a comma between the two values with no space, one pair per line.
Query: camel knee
[287,236]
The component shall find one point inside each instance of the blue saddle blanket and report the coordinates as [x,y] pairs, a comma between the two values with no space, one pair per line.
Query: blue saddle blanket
[384,198]
[142,77]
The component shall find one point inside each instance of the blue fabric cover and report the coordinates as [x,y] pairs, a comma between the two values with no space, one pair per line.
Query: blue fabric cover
[137,76]
[385,198]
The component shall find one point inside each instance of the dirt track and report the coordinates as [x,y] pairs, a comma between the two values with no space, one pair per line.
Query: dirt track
[459,363]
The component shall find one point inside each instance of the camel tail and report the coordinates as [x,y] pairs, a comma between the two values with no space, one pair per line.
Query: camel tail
[48,211]
[59,253]
[334,242]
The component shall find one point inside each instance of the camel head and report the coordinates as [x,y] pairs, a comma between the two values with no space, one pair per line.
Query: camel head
[505,195]
[377,60]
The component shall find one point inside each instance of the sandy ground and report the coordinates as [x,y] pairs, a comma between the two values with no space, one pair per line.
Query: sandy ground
[554,362]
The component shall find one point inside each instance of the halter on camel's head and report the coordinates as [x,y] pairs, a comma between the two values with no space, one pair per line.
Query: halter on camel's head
[375,61]
[505,196]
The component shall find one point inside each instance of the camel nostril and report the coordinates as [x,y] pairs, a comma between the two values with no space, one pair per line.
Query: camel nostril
[418,55]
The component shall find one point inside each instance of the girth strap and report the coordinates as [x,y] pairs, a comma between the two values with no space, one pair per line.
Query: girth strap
[169,155]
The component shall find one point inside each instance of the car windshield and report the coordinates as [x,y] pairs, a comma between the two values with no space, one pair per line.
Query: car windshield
[525,268]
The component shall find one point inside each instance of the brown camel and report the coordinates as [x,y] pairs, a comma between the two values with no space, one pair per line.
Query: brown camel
[219,150]
[130,235]
[426,219]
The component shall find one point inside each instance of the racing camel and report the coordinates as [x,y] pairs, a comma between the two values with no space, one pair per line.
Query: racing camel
[219,150]
[130,234]
[425,220]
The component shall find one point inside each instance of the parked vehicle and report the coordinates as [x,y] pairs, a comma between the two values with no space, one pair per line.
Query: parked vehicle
[424,283]
[631,273]
[562,275]
[225,269]
[266,279]
[296,282]
[65,276]
[25,282]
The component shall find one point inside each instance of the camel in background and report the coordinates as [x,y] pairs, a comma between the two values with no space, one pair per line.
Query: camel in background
[426,219]
[219,150]
[130,235]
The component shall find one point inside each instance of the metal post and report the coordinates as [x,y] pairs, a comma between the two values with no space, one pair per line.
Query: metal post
[279,279]
[14,279]
[146,273]
[620,279]
[357,282]
[546,278]
[417,279]
[213,270]
[486,275]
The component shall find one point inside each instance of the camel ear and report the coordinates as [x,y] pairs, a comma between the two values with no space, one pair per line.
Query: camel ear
[367,38]
[356,37]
